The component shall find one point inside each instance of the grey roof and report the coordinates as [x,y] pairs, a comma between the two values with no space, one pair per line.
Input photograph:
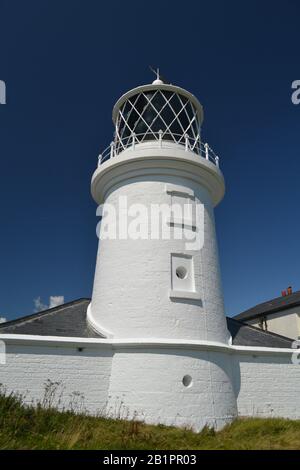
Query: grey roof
[65,320]
[70,320]
[271,306]
[248,335]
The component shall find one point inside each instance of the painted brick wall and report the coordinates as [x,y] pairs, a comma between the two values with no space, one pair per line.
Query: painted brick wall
[133,277]
[149,384]
[27,369]
[267,386]
[149,381]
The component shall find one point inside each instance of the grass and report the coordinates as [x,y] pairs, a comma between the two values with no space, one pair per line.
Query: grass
[42,427]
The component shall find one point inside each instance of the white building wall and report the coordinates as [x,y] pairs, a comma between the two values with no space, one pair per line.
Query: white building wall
[146,381]
[29,367]
[285,323]
[267,385]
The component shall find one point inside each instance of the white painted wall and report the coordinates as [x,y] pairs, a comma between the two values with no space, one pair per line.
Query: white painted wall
[144,378]
[29,366]
[137,295]
[267,385]
[285,323]
[149,385]
[133,278]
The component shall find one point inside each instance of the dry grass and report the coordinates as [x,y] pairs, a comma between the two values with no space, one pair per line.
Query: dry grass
[42,427]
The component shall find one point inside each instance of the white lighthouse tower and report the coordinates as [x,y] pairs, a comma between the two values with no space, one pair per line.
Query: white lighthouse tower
[157,295]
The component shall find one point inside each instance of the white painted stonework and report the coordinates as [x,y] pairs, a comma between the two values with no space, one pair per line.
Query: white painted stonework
[138,292]
[267,385]
[226,380]
[167,355]
[133,279]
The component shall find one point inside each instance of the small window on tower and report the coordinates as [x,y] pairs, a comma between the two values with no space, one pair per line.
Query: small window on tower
[182,206]
[183,277]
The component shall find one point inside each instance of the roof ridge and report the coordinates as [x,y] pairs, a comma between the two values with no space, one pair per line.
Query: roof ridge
[289,296]
[270,306]
[42,313]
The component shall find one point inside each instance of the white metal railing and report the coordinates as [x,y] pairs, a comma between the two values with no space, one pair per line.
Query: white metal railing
[163,140]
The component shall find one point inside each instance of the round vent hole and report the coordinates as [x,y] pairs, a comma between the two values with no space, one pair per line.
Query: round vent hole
[181,272]
[187,381]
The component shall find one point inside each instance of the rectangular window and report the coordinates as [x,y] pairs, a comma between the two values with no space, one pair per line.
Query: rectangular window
[183,277]
[182,206]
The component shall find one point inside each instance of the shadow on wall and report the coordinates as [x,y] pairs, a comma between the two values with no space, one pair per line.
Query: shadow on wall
[188,301]
[232,370]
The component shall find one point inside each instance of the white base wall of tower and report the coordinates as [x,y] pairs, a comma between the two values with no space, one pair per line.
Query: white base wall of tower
[149,385]
[144,381]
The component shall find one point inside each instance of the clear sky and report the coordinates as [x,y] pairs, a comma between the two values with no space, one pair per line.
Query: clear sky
[65,63]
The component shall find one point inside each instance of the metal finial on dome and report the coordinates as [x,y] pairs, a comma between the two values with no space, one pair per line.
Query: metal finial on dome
[158,80]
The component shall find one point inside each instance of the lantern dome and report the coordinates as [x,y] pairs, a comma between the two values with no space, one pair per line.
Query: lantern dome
[157,111]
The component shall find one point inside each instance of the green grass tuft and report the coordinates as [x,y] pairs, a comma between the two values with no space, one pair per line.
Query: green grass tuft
[42,427]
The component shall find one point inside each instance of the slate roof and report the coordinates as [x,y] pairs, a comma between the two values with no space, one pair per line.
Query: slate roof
[248,335]
[271,306]
[65,320]
[70,320]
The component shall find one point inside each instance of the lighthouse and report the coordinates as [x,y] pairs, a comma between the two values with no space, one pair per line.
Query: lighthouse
[159,297]
[153,343]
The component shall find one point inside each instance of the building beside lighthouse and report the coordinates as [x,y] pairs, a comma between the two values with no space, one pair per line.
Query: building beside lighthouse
[153,343]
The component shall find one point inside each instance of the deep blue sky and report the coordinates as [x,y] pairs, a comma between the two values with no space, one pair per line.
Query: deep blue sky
[66,62]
